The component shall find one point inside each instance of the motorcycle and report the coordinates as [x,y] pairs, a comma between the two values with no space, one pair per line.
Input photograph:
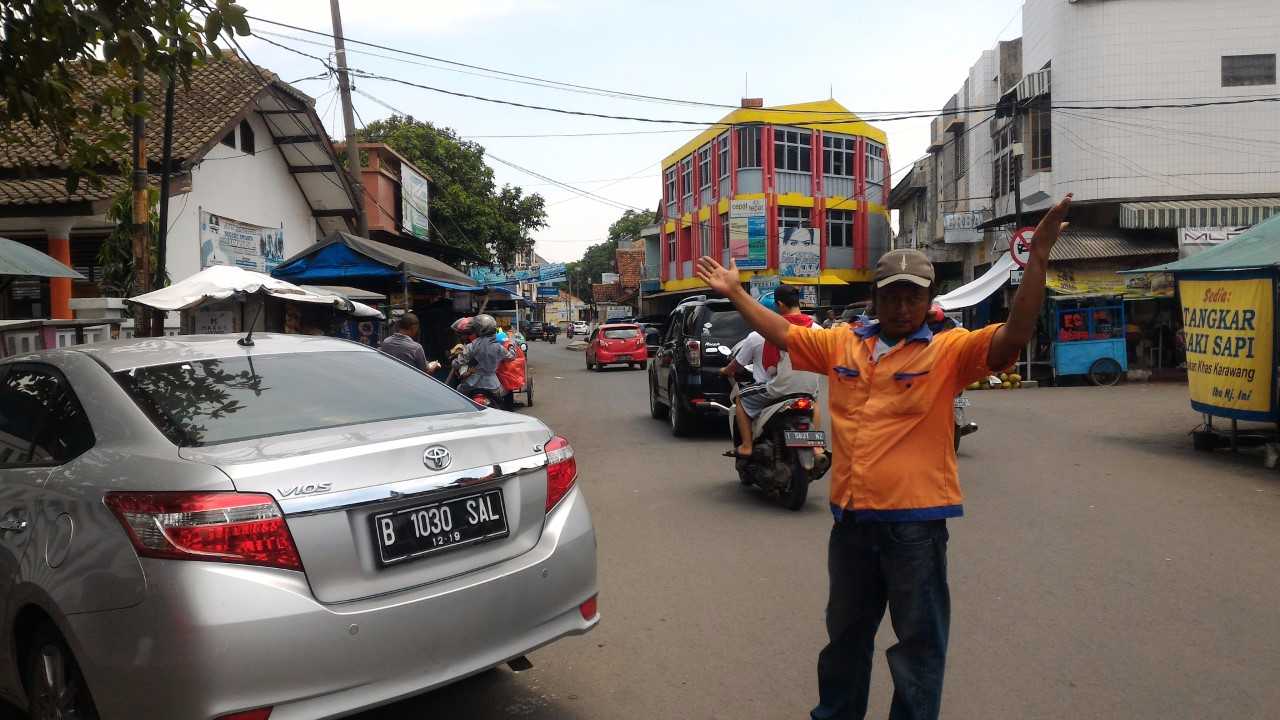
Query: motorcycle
[783,461]
[492,398]
[963,426]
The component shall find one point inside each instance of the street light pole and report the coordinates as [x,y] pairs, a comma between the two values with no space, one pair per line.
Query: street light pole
[348,119]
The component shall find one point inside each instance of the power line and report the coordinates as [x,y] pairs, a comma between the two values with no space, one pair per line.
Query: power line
[566,186]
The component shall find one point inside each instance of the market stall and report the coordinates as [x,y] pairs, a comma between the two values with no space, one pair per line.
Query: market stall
[1228,300]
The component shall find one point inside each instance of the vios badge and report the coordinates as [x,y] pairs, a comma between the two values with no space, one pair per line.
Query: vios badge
[436,457]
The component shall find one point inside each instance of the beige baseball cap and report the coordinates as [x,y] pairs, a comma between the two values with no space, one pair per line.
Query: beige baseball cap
[910,266]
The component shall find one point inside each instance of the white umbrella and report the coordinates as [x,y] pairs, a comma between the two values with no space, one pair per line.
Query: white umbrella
[223,281]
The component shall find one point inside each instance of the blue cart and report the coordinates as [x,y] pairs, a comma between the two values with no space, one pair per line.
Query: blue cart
[1089,337]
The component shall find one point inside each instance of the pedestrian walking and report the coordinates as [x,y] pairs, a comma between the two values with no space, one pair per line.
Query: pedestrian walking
[891,387]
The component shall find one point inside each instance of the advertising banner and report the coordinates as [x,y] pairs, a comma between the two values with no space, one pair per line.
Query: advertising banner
[1227,325]
[1071,281]
[413,203]
[548,291]
[1192,240]
[808,296]
[747,237]
[498,276]
[763,284]
[962,227]
[224,241]
[798,253]
[552,272]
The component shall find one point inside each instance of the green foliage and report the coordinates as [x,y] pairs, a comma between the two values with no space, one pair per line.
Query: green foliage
[467,209]
[602,257]
[115,257]
[43,42]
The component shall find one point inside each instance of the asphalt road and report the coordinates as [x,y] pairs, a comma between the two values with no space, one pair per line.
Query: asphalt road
[1104,569]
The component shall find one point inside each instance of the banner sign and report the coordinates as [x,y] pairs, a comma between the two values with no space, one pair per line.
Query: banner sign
[1192,240]
[548,291]
[498,276]
[962,227]
[552,273]
[798,253]
[413,203]
[1227,325]
[747,237]
[1071,281]
[763,284]
[808,296]
[224,241]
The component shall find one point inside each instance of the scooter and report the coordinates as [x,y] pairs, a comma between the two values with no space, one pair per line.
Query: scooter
[963,426]
[783,461]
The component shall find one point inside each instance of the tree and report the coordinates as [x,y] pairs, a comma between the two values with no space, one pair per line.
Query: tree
[65,68]
[115,256]
[602,257]
[468,210]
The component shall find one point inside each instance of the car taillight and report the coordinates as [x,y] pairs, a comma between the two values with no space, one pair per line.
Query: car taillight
[562,470]
[694,350]
[229,527]
[480,399]
[590,608]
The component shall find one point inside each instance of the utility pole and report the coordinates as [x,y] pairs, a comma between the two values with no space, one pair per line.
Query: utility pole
[141,208]
[166,159]
[348,119]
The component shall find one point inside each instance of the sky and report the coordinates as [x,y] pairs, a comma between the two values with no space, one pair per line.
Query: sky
[900,55]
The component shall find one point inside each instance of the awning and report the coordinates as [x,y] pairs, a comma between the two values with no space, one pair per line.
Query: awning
[224,281]
[344,257]
[1257,247]
[1239,212]
[22,260]
[349,293]
[1090,243]
[981,288]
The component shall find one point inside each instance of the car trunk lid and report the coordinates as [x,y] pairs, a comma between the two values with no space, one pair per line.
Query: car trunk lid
[332,483]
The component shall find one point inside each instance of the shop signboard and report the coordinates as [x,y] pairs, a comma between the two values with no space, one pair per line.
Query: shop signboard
[498,276]
[1228,326]
[1192,240]
[1072,281]
[224,241]
[798,253]
[763,284]
[413,203]
[962,227]
[548,291]
[747,237]
[808,296]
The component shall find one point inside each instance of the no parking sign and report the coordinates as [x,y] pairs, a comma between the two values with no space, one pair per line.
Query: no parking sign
[1020,246]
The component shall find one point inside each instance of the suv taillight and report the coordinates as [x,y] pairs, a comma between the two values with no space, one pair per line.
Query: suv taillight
[693,348]
[230,527]
[562,470]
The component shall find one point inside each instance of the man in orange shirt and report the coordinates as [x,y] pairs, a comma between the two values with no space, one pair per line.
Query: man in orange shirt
[891,384]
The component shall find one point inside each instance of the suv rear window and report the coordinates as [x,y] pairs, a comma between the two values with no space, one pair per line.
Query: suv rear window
[621,333]
[206,402]
[727,326]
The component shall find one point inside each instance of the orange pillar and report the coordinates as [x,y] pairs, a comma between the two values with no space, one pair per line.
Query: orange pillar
[60,288]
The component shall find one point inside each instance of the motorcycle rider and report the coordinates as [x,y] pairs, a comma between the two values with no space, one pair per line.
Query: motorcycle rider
[483,355]
[771,369]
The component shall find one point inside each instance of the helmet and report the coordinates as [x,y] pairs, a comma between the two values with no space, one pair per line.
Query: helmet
[484,325]
[462,326]
[768,301]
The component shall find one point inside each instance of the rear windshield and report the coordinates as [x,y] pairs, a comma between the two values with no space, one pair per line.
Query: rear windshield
[727,326]
[215,401]
[621,333]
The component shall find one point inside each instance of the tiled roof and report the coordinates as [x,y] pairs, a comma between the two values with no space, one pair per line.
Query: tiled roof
[1079,243]
[53,191]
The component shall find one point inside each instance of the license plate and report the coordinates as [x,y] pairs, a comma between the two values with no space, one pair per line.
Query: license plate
[962,402]
[424,530]
[809,438]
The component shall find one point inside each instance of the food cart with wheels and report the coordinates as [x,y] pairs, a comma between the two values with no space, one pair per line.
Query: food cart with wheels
[1089,337]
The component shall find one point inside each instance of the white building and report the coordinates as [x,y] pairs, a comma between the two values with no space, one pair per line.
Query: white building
[255,181]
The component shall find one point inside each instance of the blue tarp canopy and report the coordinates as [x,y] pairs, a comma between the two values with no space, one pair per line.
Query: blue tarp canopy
[344,258]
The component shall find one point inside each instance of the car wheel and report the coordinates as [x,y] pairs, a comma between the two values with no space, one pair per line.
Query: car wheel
[657,410]
[681,420]
[54,685]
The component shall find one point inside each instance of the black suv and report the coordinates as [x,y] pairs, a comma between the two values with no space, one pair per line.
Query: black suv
[684,376]
[534,331]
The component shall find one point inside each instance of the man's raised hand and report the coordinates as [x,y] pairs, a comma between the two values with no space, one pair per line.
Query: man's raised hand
[723,280]
[1050,227]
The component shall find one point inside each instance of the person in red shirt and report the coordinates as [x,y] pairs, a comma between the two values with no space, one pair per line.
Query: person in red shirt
[891,385]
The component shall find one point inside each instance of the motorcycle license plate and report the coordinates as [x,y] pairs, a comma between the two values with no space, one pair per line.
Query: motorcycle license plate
[423,530]
[807,438]
[962,402]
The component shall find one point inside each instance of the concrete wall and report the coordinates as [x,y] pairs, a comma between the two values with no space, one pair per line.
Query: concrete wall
[255,189]
[1103,52]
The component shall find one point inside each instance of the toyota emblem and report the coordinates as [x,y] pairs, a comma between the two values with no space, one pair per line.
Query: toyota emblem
[436,457]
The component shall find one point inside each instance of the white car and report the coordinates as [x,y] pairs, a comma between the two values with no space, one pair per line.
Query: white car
[581,328]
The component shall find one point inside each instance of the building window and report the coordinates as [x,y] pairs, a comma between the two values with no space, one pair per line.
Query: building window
[229,139]
[875,163]
[1240,70]
[1041,132]
[724,232]
[837,155]
[791,150]
[840,228]
[704,167]
[671,247]
[704,239]
[671,184]
[792,217]
[686,176]
[749,147]
[722,155]
[246,137]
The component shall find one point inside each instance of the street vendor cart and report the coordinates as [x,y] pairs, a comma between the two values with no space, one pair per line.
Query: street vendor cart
[1088,337]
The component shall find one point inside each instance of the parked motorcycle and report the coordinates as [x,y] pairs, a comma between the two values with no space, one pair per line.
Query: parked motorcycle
[963,426]
[783,461]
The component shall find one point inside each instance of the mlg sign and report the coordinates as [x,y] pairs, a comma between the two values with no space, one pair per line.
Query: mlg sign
[1192,240]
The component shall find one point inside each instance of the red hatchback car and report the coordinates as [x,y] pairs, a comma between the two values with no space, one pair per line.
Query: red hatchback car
[621,344]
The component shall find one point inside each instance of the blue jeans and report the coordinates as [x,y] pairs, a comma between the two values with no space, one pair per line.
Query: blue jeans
[873,564]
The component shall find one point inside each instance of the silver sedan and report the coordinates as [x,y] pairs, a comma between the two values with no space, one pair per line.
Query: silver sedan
[191,528]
